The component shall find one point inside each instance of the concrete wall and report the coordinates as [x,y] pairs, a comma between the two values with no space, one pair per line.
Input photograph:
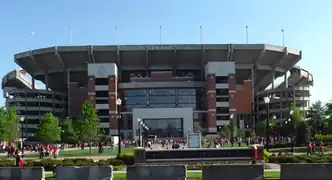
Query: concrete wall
[84,173]
[238,172]
[220,68]
[152,113]
[305,171]
[156,173]
[102,70]
[28,173]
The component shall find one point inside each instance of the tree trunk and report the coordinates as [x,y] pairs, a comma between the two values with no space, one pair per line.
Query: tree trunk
[90,148]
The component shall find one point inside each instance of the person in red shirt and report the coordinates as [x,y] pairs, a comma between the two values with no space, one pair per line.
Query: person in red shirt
[55,150]
[309,149]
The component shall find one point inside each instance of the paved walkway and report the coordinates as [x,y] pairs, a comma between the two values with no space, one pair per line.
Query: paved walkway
[273,166]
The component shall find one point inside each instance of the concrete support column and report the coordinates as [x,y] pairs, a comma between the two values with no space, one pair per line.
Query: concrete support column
[46,80]
[112,98]
[33,82]
[285,80]
[68,92]
[91,91]
[273,77]
[231,96]
[211,122]
[253,81]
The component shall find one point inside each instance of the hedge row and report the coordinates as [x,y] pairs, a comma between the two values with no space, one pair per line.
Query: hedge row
[326,138]
[316,158]
[51,164]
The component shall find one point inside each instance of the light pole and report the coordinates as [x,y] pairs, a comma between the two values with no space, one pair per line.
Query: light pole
[144,128]
[22,120]
[140,123]
[267,101]
[290,119]
[232,129]
[141,127]
[119,117]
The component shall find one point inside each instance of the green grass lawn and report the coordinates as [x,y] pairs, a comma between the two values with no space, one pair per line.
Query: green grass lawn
[85,152]
[109,152]
[190,175]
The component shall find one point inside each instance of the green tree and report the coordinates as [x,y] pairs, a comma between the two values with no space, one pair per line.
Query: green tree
[261,128]
[67,132]
[302,133]
[197,128]
[328,113]
[11,125]
[2,123]
[232,128]
[316,117]
[225,132]
[86,127]
[49,130]
[241,133]
[296,117]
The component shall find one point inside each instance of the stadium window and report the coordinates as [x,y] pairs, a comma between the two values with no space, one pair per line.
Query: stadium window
[101,101]
[101,93]
[221,79]
[101,81]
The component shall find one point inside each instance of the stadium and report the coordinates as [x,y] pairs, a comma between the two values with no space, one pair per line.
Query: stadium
[171,88]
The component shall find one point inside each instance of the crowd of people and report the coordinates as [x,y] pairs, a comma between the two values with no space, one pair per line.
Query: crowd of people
[48,150]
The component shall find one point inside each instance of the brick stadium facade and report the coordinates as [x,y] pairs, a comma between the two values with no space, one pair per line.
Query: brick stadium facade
[217,99]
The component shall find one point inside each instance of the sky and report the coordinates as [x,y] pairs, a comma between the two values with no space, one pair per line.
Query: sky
[307,25]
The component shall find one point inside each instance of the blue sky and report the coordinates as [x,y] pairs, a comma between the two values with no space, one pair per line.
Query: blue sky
[307,26]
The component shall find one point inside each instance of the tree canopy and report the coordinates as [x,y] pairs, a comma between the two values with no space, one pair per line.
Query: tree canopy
[67,132]
[316,117]
[86,127]
[49,130]
[9,124]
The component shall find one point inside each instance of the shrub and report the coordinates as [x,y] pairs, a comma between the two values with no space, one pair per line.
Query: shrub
[51,164]
[266,155]
[326,138]
[127,158]
[278,145]
[301,159]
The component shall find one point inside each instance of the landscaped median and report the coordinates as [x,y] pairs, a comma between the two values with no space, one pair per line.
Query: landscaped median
[190,176]
[289,158]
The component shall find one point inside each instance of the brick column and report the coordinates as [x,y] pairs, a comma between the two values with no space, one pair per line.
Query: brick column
[211,103]
[91,90]
[231,96]
[112,98]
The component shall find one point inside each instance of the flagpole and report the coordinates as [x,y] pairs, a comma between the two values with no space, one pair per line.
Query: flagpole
[201,34]
[283,37]
[247,34]
[69,36]
[160,35]
[115,35]
[31,34]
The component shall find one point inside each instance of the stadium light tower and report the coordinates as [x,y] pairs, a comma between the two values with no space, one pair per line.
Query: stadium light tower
[283,37]
[31,45]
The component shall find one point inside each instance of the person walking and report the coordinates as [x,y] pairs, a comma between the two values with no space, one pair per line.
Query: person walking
[309,149]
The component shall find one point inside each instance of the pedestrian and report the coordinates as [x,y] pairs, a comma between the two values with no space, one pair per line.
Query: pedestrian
[321,147]
[309,149]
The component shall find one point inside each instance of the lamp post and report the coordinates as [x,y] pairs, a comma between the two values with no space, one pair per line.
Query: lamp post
[119,117]
[232,129]
[141,127]
[267,101]
[293,126]
[22,120]
[144,128]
